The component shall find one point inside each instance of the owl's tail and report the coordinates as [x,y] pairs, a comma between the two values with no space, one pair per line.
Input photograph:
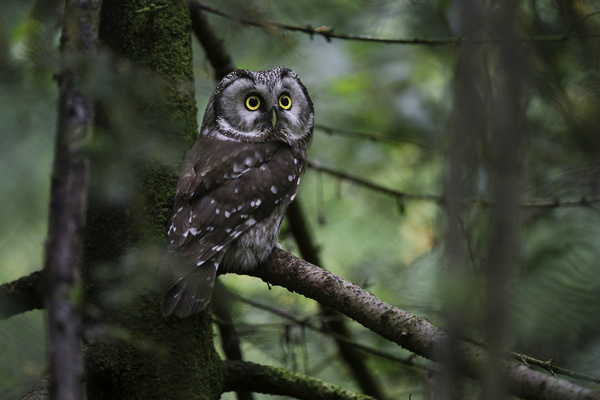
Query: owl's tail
[189,292]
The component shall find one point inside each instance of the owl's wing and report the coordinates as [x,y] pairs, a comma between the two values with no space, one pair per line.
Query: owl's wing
[225,188]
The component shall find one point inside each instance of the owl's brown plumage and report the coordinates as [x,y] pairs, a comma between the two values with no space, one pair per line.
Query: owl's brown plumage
[236,182]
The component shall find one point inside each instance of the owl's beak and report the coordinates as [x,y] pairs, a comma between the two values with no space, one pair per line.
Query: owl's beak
[273,118]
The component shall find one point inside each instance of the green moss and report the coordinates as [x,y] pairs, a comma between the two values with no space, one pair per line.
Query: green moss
[158,39]
[147,356]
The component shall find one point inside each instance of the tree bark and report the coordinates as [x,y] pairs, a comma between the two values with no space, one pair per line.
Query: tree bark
[141,354]
[68,201]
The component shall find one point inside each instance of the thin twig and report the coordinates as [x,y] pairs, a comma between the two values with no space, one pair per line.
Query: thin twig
[372,137]
[533,204]
[328,32]
[307,322]
[549,365]
[554,369]
[317,166]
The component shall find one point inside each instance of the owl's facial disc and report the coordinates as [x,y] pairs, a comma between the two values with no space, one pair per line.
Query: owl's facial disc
[264,106]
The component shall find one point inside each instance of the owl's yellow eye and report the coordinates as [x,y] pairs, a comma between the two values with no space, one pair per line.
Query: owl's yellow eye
[252,102]
[285,101]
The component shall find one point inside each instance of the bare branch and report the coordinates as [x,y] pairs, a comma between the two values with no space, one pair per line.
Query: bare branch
[325,31]
[554,369]
[317,166]
[328,32]
[245,376]
[541,203]
[413,333]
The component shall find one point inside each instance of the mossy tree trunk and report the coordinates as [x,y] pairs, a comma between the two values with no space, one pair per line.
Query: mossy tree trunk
[139,354]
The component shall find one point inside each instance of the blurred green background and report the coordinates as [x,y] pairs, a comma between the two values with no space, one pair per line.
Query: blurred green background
[392,247]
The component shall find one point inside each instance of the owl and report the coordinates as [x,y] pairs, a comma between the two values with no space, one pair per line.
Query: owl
[236,182]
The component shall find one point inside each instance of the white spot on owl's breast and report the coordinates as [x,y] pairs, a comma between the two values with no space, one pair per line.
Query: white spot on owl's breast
[238,167]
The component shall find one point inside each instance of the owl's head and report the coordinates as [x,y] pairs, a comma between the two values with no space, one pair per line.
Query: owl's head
[263,106]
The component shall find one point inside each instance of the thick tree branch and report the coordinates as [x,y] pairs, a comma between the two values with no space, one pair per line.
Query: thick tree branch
[24,294]
[413,333]
[245,376]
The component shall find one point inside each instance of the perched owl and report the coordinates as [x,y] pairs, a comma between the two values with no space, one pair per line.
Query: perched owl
[236,182]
